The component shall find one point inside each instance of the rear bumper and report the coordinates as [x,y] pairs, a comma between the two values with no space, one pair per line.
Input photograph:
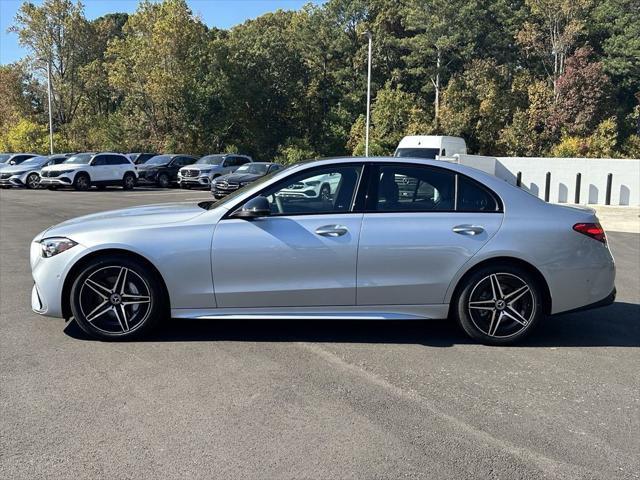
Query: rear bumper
[608,300]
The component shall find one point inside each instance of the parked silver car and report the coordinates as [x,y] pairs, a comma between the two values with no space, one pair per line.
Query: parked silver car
[398,238]
[201,173]
[27,173]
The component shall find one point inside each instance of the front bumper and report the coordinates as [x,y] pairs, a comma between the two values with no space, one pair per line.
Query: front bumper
[48,277]
[200,181]
[55,181]
[14,180]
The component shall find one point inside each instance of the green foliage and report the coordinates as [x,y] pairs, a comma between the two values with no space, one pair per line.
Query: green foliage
[25,136]
[517,77]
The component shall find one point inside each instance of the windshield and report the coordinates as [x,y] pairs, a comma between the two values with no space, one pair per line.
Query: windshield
[34,160]
[211,160]
[255,168]
[79,159]
[4,157]
[158,160]
[417,152]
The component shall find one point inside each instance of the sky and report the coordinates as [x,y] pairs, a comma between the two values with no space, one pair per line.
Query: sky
[215,13]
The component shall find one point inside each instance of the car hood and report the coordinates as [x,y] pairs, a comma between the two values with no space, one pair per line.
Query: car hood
[148,215]
[240,177]
[20,168]
[64,166]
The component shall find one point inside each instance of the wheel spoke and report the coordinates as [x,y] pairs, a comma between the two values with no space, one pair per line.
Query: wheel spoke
[121,281]
[101,290]
[516,294]
[495,287]
[121,314]
[100,310]
[483,305]
[514,315]
[495,323]
[132,299]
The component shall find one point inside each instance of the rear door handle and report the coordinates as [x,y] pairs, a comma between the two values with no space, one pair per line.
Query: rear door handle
[331,230]
[468,229]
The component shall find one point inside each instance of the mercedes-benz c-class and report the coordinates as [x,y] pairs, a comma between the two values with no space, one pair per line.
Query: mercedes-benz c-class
[394,238]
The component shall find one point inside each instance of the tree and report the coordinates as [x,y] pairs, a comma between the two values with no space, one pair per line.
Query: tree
[55,34]
[552,32]
[583,95]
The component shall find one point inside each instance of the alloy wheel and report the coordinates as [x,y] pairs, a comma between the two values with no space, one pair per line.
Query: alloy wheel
[115,300]
[33,180]
[502,305]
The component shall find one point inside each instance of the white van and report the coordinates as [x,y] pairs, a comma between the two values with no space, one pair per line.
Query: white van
[430,146]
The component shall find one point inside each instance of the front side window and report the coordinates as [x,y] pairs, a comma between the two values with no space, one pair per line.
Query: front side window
[404,188]
[99,161]
[325,190]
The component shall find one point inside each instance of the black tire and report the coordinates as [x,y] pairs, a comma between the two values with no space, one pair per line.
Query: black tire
[33,181]
[128,181]
[325,193]
[82,182]
[99,293]
[163,180]
[501,314]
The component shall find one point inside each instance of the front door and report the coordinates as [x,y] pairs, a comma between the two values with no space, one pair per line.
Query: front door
[303,255]
[419,232]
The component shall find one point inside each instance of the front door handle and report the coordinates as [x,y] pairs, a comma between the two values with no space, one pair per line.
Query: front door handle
[331,230]
[468,229]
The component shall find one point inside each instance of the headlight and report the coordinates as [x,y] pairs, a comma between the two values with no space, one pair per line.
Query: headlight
[19,173]
[208,170]
[242,184]
[55,245]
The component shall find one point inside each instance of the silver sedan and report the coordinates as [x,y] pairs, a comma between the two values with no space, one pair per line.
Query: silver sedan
[397,238]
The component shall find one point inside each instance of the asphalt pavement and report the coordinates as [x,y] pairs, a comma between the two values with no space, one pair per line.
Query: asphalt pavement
[309,399]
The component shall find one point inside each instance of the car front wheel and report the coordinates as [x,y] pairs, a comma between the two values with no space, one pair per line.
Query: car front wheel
[499,305]
[117,298]
[33,180]
[82,182]
[163,180]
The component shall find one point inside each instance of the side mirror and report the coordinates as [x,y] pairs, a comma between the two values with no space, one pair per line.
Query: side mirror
[254,208]
[12,162]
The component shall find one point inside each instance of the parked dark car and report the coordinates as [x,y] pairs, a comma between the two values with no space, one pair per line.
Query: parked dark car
[140,158]
[162,170]
[244,175]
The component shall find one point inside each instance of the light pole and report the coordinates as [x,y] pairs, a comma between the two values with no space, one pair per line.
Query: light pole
[366,137]
[50,112]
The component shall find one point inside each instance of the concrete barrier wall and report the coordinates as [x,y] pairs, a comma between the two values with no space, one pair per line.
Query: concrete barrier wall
[599,181]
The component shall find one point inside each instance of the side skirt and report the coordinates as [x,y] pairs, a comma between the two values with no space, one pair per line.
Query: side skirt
[368,312]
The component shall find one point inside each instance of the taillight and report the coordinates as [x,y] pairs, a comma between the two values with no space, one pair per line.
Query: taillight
[593,230]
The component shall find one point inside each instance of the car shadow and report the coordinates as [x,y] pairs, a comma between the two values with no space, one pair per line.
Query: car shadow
[617,325]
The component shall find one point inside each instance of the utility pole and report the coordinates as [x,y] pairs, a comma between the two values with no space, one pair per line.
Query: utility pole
[50,112]
[366,141]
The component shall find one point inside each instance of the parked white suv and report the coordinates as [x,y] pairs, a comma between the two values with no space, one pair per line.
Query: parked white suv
[83,170]
[322,187]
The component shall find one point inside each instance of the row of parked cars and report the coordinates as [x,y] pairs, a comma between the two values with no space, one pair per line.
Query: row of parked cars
[222,173]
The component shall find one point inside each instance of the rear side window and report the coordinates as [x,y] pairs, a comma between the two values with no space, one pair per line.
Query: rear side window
[117,160]
[473,197]
[241,160]
[404,188]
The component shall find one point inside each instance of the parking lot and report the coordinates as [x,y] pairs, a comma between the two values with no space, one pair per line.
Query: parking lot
[309,399]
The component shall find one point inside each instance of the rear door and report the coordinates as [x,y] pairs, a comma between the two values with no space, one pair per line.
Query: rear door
[421,225]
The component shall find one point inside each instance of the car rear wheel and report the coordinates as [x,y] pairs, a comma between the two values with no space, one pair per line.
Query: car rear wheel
[33,180]
[163,180]
[499,304]
[82,182]
[117,298]
[325,193]
[128,181]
